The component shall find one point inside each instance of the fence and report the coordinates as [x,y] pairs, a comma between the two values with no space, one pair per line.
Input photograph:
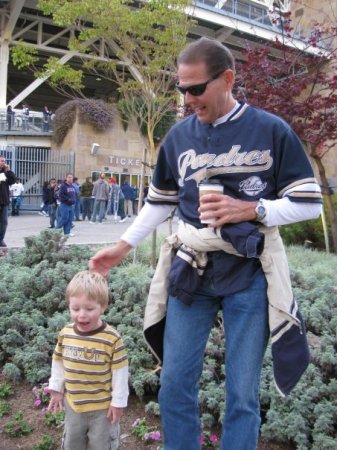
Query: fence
[36,165]
[17,122]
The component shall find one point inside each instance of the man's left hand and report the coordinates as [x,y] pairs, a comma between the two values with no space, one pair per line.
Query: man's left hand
[225,209]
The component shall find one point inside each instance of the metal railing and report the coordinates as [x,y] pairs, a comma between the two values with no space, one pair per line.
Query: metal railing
[239,9]
[18,122]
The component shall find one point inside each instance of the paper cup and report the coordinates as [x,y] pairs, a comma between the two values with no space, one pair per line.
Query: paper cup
[209,188]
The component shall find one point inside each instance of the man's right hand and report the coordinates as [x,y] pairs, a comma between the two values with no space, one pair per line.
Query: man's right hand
[109,257]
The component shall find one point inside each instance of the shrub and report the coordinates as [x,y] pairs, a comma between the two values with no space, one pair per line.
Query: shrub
[34,310]
[18,426]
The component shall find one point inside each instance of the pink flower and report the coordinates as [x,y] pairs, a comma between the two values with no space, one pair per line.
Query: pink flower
[202,439]
[34,390]
[146,436]
[213,438]
[37,403]
[135,423]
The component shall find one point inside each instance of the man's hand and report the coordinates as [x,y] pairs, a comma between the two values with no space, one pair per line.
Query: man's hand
[56,402]
[225,209]
[114,413]
[109,257]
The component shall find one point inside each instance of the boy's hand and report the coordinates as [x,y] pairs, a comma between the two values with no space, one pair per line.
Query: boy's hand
[56,402]
[109,257]
[114,413]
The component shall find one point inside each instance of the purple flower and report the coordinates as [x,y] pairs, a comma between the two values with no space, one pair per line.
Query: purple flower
[37,403]
[155,435]
[146,436]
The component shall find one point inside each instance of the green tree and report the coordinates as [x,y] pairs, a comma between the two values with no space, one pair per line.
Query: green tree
[133,44]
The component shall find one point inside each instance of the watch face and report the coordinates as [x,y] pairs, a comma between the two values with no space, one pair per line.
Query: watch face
[260,212]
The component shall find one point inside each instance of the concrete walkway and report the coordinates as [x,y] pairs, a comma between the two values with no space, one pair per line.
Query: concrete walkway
[31,224]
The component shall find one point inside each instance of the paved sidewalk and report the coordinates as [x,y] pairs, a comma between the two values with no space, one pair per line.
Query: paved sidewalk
[31,224]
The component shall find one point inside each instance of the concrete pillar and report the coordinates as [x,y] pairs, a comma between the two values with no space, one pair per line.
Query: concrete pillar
[4,58]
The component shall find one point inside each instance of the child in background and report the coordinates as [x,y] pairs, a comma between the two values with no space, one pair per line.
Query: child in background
[89,377]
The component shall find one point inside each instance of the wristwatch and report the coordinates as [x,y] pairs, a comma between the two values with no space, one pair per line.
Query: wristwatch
[260,211]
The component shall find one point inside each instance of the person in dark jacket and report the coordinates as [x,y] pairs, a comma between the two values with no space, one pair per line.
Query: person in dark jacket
[67,198]
[10,117]
[87,198]
[7,178]
[129,196]
[51,201]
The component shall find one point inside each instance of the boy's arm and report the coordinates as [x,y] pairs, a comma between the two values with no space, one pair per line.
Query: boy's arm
[56,386]
[120,393]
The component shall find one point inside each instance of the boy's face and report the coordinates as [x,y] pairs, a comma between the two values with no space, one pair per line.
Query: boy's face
[85,313]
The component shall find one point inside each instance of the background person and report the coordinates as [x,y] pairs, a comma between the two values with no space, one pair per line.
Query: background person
[89,376]
[267,179]
[16,191]
[67,198]
[25,117]
[77,206]
[101,192]
[86,198]
[46,118]
[10,117]
[128,198]
[44,206]
[51,202]
[7,178]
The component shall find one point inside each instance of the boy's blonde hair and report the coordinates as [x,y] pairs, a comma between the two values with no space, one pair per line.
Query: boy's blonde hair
[92,284]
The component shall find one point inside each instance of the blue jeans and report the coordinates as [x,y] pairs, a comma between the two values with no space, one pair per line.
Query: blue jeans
[245,316]
[100,209]
[77,209]
[66,217]
[87,203]
[52,214]
[3,221]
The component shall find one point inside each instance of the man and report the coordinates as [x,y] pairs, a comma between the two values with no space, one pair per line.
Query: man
[86,198]
[7,178]
[46,119]
[10,117]
[25,117]
[16,190]
[51,201]
[67,198]
[267,181]
[77,206]
[101,192]
[129,196]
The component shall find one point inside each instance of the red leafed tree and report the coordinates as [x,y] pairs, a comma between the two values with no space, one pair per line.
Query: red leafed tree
[299,85]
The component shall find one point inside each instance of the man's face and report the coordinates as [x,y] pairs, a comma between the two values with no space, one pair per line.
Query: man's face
[2,162]
[69,179]
[217,99]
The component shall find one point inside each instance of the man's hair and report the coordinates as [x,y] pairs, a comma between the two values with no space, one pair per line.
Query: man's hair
[215,55]
[92,284]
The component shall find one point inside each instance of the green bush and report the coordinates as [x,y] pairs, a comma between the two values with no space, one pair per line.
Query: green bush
[309,230]
[32,284]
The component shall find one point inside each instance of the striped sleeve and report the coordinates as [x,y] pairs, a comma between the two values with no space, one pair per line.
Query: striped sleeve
[303,191]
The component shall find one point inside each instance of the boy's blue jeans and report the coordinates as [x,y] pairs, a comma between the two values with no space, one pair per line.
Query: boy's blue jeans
[245,316]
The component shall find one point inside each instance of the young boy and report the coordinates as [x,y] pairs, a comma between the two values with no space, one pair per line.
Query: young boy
[89,362]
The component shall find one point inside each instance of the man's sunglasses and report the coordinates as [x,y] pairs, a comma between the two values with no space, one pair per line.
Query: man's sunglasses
[197,89]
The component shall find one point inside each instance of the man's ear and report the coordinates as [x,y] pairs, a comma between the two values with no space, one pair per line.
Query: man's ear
[229,77]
